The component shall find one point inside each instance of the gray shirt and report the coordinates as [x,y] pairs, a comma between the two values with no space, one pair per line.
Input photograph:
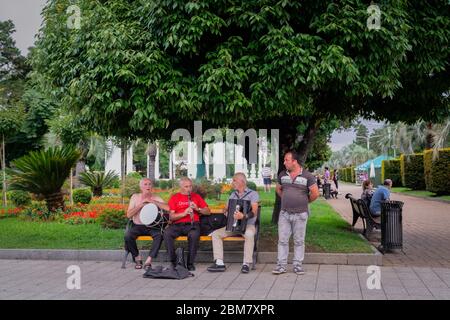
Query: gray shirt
[295,196]
[249,195]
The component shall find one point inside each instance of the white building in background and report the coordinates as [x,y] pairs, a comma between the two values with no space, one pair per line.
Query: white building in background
[215,156]
[113,162]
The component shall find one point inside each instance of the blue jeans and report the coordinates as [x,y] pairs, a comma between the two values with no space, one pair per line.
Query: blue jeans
[291,223]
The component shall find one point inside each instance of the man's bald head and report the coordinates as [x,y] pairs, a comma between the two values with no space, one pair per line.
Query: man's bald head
[146,185]
[185,185]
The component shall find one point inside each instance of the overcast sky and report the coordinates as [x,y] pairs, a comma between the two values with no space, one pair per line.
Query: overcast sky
[26,16]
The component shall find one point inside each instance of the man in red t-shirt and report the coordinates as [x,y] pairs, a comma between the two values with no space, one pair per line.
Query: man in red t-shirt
[185,209]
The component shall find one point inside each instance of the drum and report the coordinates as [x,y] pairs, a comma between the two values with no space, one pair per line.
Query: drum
[237,226]
[152,216]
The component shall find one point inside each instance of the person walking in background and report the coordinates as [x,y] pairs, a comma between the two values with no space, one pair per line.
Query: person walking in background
[326,176]
[335,179]
[266,173]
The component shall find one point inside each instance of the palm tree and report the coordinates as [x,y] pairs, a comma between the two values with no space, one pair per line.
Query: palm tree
[44,172]
[100,150]
[98,180]
[441,134]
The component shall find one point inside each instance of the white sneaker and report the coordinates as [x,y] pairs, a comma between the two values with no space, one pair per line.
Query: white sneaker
[299,270]
[279,270]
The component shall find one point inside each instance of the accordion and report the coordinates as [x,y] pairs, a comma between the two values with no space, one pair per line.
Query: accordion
[233,225]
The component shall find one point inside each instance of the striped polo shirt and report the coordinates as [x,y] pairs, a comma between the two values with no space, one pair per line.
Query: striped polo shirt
[295,196]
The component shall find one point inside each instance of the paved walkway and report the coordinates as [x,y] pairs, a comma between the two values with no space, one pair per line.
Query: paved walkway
[38,279]
[426,229]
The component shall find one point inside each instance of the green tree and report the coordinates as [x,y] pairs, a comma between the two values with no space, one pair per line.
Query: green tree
[12,73]
[143,68]
[362,136]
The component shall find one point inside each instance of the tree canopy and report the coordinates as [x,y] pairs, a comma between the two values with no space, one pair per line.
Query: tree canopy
[141,68]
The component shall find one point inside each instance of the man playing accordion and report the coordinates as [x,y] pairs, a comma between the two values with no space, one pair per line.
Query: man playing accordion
[241,192]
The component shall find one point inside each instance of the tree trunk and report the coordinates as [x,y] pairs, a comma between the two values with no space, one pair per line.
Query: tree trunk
[151,151]
[80,167]
[81,164]
[97,191]
[123,173]
[55,201]
[71,187]
[288,141]
[308,139]
[3,159]
[277,205]
[288,137]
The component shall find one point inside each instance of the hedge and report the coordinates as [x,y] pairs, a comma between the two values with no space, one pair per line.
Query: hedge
[412,171]
[390,169]
[341,174]
[350,174]
[437,173]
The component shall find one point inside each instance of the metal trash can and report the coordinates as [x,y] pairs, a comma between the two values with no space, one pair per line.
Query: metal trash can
[326,190]
[391,225]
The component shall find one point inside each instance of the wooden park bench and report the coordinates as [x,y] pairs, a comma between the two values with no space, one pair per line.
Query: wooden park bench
[361,210]
[236,238]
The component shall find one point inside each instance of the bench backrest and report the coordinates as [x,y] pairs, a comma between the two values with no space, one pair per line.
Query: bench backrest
[364,209]
[354,204]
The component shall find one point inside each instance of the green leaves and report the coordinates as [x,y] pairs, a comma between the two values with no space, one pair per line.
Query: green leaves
[141,68]
[44,171]
[98,180]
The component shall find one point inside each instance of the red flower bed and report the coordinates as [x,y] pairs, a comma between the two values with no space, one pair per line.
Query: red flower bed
[81,214]
[91,211]
[12,212]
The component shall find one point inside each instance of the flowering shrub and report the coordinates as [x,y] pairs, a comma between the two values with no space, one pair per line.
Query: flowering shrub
[10,212]
[112,192]
[38,211]
[85,214]
[100,208]
[80,217]
[113,219]
[227,188]
[19,198]
[107,199]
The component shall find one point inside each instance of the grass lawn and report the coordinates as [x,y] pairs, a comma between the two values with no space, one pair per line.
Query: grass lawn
[19,234]
[326,232]
[419,193]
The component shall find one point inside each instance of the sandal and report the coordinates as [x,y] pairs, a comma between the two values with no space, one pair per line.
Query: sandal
[139,264]
[147,266]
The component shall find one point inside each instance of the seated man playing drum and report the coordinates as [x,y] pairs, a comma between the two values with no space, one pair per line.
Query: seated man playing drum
[137,202]
[185,208]
[241,192]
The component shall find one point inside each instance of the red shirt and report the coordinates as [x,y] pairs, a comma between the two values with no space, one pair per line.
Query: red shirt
[180,202]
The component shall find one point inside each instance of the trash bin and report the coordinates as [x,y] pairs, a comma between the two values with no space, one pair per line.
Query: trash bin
[391,225]
[326,190]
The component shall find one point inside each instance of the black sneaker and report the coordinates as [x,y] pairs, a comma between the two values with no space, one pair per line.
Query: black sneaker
[245,269]
[216,268]
[191,267]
